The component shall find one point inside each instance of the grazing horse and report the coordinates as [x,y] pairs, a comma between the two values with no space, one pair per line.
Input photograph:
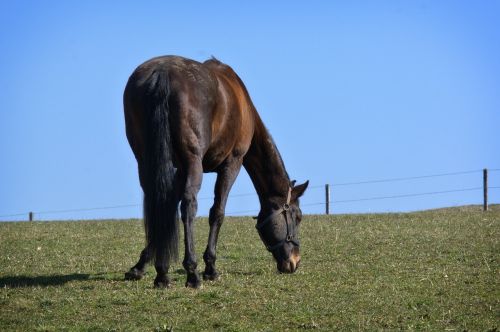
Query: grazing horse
[184,118]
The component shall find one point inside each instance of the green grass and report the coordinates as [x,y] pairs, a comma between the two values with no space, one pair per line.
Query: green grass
[433,270]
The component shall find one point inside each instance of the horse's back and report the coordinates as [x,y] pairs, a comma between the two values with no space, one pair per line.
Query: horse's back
[209,109]
[184,76]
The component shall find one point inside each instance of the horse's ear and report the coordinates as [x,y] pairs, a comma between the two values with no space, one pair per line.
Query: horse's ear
[292,183]
[299,190]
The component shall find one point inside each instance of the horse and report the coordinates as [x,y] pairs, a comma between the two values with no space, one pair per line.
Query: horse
[184,118]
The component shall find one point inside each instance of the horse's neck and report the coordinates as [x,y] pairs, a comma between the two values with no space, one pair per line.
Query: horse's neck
[265,166]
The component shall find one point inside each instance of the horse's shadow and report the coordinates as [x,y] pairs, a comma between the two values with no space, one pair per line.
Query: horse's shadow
[48,280]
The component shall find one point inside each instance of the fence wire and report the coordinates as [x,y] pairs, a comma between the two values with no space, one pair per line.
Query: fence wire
[253,194]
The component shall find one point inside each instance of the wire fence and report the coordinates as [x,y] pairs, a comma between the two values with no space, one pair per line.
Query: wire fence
[327,202]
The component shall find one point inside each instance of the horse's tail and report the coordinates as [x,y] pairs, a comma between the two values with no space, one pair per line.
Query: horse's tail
[160,201]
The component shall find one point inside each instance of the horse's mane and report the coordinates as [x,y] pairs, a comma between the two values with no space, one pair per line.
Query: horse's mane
[214,60]
[266,137]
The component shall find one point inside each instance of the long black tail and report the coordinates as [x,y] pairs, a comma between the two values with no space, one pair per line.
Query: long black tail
[160,201]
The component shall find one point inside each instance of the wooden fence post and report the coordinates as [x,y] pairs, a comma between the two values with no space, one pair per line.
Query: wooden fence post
[327,198]
[485,189]
[31,215]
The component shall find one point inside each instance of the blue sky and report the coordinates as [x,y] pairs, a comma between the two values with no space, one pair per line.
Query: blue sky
[350,91]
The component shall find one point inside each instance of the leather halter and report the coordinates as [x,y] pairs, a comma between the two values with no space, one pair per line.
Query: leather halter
[283,210]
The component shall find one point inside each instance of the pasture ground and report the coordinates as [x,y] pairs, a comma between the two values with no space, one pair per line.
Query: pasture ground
[432,270]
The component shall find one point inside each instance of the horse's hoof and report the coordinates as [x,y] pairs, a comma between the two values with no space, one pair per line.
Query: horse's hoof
[193,281]
[194,285]
[210,276]
[161,283]
[134,274]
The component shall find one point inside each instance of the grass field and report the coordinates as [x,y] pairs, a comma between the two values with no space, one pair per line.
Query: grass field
[433,270]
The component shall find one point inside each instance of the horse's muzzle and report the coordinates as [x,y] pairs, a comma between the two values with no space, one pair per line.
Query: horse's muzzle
[289,265]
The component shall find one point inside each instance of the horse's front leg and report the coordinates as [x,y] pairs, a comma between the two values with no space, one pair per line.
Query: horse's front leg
[189,206]
[225,180]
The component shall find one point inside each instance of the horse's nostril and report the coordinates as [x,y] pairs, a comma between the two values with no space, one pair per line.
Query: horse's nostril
[286,266]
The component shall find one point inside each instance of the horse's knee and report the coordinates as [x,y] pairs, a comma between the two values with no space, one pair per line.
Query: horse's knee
[216,216]
[189,204]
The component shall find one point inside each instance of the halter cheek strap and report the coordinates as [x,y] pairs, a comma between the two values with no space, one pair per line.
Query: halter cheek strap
[284,209]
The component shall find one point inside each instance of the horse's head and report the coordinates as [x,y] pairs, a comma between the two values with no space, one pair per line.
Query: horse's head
[278,227]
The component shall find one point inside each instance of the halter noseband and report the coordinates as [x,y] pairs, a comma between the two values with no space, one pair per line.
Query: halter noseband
[289,238]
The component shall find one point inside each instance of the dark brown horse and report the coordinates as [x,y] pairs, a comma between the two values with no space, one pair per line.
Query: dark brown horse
[184,118]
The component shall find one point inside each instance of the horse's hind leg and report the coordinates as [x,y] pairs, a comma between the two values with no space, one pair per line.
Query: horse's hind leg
[161,266]
[138,270]
[161,263]
[189,206]
[225,180]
